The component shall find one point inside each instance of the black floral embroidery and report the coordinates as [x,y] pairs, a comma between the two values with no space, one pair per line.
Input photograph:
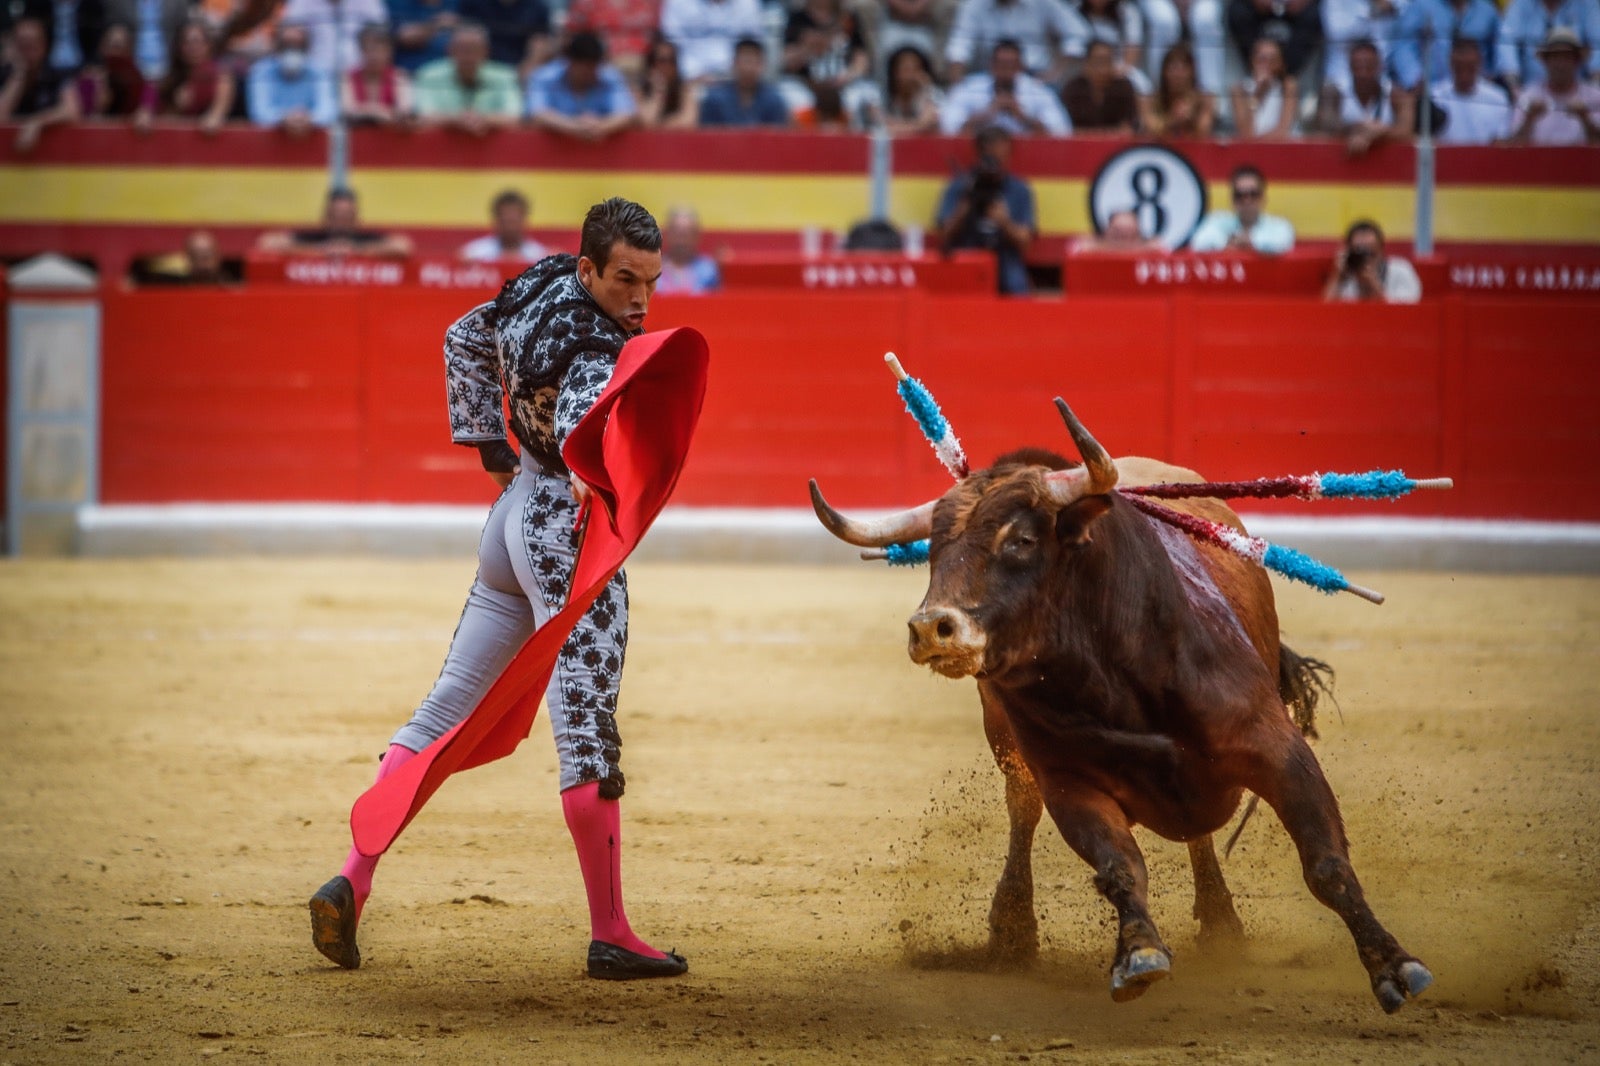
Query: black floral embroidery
[547,342]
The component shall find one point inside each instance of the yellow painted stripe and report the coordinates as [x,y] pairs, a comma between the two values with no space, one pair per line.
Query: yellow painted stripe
[168,195]
[407,197]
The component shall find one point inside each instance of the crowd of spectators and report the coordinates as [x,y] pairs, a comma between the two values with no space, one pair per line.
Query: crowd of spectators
[1363,70]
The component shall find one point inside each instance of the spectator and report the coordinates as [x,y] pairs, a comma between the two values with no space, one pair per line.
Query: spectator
[237,51]
[580,94]
[629,28]
[519,31]
[1121,234]
[990,208]
[1247,227]
[30,90]
[1426,32]
[822,45]
[1100,98]
[1006,97]
[340,234]
[156,26]
[684,267]
[875,235]
[1470,109]
[377,93]
[827,112]
[707,33]
[335,27]
[1362,272]
[1293,24]
[287,91]
[72,30]
[197,86]
[508,215]
[1346,23]
[666,100]
[1527,26]
[1264,103]
[911,103]
[1117,23]
[203,261]
[1561,109]
[1208,40]
[747,98]
[466,90]
[920,24]
[114,87]
[198,263]
[1366,109]
[422,31]
[1178,108]
[1045,32]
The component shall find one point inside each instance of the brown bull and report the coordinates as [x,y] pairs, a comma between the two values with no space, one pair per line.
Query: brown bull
[1129,676]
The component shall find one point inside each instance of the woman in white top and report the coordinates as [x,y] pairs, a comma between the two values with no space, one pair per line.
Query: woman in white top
[1264,103]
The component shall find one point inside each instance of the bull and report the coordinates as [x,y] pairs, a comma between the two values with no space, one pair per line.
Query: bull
[1129,675]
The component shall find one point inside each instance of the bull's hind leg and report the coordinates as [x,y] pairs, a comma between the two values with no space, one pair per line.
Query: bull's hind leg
[1300,794]
[1013,927]
[1097,830]
[1220,928]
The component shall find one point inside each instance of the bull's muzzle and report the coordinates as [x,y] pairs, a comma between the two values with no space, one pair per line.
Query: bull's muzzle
[947,640]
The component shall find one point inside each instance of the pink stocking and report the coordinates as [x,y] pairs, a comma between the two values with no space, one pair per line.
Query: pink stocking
[596,828]
[358,868]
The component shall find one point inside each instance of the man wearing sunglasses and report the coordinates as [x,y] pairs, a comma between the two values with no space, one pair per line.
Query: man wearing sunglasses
[1247,227]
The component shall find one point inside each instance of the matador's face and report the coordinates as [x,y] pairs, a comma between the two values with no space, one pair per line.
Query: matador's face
[623,289]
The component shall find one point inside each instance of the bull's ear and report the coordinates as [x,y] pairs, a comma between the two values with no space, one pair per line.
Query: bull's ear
[1075,522]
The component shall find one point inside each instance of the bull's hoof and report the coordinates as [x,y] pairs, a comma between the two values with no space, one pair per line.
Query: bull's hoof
[1008,953]
[1408,981]
[1141,969]
[1221,933]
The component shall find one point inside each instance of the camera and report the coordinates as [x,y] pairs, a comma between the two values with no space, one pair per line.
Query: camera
[985,184]
[1356,259]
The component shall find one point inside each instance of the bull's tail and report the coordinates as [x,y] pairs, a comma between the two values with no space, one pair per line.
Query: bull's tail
[1302,682]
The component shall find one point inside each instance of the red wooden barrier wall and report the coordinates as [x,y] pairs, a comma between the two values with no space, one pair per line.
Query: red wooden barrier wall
[336,395]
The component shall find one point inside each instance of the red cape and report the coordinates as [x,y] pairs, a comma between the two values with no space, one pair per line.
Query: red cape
[629,449]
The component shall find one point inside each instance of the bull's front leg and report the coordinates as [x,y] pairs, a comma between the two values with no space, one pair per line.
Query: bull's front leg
[1097,829]
[1013,926]
[1220,928]
[1295,788]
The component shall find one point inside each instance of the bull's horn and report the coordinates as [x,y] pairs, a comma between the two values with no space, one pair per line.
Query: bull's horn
[1102,471]
[898,528]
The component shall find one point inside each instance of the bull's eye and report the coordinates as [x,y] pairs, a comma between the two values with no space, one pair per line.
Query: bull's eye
[1020,546]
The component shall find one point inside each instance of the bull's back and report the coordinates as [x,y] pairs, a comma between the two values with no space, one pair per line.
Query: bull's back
[1243,584]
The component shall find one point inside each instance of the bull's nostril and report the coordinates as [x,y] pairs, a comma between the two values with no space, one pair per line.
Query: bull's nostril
[945,629]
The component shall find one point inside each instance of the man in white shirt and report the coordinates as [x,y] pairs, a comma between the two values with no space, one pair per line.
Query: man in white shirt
[1046,31]
[1563,110]
[510,240]
[1363,273]
[1476,110]
[705,32]
[1247,227]
[1005,97]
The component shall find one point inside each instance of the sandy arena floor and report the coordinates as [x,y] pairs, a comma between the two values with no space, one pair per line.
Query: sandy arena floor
[810,819]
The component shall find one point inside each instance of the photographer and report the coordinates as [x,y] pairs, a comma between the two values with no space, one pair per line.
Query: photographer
[990,208]
[1362,272]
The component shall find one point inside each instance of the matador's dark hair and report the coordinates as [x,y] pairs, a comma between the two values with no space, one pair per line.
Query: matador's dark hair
[616,220]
